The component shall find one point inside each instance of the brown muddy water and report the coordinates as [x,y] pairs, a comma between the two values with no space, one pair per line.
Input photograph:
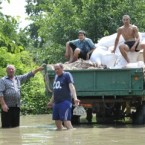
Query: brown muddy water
[40,130]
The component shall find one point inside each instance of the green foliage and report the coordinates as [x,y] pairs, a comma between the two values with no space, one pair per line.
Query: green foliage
[33,99]
[12,45]
[55,22]
[60,21]
[8,34]
[50,53]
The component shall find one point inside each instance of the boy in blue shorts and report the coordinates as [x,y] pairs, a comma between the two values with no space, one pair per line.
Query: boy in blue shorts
[63,91]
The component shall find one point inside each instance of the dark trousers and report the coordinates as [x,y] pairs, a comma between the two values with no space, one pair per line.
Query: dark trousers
[11,118]
[83,54]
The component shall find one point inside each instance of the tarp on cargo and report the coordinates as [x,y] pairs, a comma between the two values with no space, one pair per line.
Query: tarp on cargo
[78,65]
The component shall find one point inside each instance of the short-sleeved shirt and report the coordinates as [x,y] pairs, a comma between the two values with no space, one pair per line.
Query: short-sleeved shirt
[61,89]
[10,89]
[85,45]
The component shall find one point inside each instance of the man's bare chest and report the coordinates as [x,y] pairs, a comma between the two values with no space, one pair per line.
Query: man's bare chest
[128,32]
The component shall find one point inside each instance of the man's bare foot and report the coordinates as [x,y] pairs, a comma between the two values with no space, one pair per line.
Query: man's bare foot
[63,128]
[67,62]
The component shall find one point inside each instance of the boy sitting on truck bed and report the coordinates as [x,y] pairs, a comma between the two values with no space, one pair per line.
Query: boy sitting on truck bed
[79,48]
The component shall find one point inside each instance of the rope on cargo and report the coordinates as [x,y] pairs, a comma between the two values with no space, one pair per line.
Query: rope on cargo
[47,82]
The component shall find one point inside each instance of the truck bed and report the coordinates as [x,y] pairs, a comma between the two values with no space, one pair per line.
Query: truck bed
[106,82]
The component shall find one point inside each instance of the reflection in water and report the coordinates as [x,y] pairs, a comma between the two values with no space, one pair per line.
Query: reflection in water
[40,130]
[10,136]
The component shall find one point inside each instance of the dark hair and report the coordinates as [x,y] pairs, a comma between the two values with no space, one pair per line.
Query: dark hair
[82,32]
[126,16]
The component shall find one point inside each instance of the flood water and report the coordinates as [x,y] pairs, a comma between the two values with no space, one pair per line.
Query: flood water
[40,130]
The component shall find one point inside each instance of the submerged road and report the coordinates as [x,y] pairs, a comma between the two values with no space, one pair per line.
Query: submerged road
[40,130]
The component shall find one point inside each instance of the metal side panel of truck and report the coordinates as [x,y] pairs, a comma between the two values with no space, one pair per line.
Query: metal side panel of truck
[113,94]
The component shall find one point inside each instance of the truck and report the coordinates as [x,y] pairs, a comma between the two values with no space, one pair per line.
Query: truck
[113,95]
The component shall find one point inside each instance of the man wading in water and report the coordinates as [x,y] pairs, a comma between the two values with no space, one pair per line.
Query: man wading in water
[61,101]
[131,37]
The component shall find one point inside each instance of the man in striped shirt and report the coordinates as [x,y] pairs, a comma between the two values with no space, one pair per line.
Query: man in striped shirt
[10,95]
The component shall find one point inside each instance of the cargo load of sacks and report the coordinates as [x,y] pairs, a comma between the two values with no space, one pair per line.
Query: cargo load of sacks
[102,54]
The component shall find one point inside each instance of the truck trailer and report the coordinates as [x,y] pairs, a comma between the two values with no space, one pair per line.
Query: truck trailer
[112,94]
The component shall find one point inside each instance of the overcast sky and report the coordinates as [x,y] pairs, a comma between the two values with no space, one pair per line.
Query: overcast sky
[16,8]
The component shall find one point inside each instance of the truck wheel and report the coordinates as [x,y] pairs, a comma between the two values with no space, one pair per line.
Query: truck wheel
[100,113]
[75,120]
[89,115]
[139,116]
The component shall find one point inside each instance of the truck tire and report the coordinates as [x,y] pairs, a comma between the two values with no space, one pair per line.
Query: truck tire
[139,116]
[75,120]
[89,115]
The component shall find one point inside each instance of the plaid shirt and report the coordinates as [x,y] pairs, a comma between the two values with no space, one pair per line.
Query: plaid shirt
[10,89]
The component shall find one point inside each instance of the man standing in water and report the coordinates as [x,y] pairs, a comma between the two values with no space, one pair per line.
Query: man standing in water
[63,91]
[131,36]
[10,96]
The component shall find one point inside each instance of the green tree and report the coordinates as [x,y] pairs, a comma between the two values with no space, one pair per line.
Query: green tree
[8,34]
[12,43]
[33,95]
[55,22]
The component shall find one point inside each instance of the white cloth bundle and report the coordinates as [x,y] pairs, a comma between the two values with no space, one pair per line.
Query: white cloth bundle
[102,54]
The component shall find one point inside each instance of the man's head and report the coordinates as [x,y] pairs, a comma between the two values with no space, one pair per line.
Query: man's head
[126,19]
[81,35]
[58,69]
[10,69]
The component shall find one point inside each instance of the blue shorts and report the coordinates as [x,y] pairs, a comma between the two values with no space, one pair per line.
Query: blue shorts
[62,111]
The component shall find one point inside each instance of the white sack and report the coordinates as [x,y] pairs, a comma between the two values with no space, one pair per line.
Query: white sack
[96,55]
[133,56]
[138,64]
[101,56]
[108,41]
[109,60]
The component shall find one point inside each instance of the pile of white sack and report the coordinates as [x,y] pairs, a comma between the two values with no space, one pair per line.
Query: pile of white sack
[102,54]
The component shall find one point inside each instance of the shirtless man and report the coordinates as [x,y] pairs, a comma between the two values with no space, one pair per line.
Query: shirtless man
[131,36]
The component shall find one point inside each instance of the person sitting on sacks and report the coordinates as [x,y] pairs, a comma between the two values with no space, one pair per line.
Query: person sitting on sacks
[131,36]
[79,48]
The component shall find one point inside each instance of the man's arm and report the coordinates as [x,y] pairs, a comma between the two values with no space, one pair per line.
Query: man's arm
[92,46]
[136,33]
[117,40]
[88,54]
[73,92]
[27,76]
[2,101]
[50,103]
[3,104]
[37,70]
